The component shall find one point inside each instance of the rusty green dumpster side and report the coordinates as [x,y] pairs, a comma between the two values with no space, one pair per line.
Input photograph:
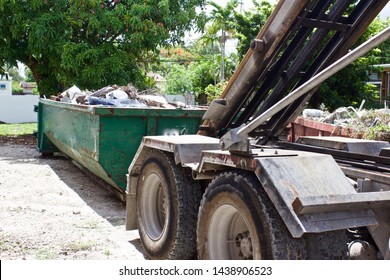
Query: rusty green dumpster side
[105,139]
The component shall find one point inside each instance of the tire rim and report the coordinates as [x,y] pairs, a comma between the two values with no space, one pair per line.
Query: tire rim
[228,237]
[154,207]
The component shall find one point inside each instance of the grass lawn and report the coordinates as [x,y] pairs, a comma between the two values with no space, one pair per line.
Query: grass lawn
[17,129]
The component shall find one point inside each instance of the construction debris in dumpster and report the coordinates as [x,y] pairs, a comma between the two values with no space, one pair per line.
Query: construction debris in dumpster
[125,96]
[372,124]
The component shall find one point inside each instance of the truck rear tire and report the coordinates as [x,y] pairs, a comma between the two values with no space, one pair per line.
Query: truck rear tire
[167,206]
[238,221]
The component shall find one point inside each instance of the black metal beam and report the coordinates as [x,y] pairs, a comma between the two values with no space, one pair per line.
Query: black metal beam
[324,24]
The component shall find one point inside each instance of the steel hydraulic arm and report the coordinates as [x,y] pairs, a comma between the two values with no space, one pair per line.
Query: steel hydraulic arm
[300,39]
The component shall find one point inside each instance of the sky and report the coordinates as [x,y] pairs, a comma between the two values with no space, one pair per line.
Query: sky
[385,12]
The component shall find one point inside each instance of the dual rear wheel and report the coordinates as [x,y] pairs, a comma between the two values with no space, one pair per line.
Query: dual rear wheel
[235,219]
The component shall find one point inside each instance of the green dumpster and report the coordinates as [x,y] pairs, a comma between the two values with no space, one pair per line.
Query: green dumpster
[104,139]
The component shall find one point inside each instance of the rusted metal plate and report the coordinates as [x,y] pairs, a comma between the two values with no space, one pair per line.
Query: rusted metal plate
[352,145]
[340,202]
[329,221]
[217,159]
[304,127]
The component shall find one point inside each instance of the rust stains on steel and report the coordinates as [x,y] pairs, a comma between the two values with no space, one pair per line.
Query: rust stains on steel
[248,162]
[111,110]
[231,160]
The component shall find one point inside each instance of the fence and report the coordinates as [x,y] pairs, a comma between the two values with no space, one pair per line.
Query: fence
[18,108]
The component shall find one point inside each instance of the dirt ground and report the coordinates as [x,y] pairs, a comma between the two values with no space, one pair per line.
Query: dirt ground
[50,209]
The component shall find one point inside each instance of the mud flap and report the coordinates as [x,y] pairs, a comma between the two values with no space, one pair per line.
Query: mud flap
[311,183]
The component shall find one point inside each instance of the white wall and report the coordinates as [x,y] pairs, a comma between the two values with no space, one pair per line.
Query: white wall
[18,108]
[5,87]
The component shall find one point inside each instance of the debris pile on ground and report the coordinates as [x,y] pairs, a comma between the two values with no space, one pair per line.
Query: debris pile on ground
[125,96]
[364,124]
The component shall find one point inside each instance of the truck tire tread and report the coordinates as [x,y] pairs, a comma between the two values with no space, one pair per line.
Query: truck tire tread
[185,196]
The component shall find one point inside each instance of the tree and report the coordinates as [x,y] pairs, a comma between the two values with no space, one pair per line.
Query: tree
[14,73]
[29,75]
[90,43]
[178,80]
[210,38]
[214,92]
[201,75]
[223,17]
[194,77]
[381,54]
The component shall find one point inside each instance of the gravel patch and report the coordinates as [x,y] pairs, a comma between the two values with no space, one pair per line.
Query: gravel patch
[50,209]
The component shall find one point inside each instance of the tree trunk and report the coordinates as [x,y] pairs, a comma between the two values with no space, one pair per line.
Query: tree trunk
[33,64]
[212,49]
[223,55]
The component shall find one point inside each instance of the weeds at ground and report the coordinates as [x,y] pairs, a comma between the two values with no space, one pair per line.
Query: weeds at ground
[77,246]
[18,129]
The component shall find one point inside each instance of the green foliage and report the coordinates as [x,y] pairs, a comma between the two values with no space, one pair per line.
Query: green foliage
[14,73]
[90,43]
[150,83]
[194,77]
[345,88]
[197,76]
[207,45]
[213,92]
[249,23]
[16,89]
[210,64]
[381,54]
[223,17]
[379,132]
[178,80]
[29,75]
[223,20]
[209,41]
